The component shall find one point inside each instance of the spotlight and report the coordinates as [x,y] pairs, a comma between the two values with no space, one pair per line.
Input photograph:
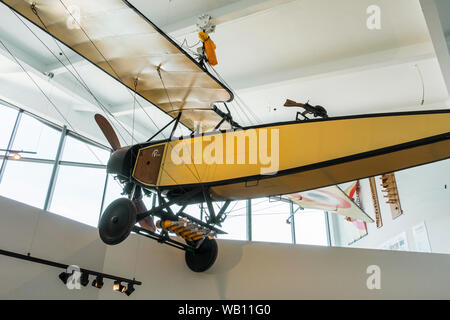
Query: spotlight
[98,282]
[118,287]
[84,280]
[130,289]
[16,156]
[64,276]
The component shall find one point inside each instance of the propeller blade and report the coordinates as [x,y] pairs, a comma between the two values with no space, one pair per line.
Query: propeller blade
[108,131]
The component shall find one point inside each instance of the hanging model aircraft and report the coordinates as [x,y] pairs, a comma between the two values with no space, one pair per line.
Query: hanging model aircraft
[330,199]
[220,161]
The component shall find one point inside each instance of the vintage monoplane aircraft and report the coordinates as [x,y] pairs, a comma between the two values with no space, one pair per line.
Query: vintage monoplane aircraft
[220,161]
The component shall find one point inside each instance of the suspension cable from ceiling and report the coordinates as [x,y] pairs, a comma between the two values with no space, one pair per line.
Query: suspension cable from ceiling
[109,64]
[77,77]
[422,83]
[239,102]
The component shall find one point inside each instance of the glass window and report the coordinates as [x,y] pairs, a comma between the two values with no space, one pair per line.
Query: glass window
[194,210]
[113,191]
[7,119]
[78,193]
[269,221]
[235,225]
[310,227]
[34,135]
[26,182]
[76,150]
[148,201]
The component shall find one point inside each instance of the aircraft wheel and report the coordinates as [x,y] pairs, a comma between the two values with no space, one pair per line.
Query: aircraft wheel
[117,221]
[202,258]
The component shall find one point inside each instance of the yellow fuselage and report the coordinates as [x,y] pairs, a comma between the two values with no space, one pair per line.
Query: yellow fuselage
[291,157]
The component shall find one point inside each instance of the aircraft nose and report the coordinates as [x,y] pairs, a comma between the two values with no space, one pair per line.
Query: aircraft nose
[120,162]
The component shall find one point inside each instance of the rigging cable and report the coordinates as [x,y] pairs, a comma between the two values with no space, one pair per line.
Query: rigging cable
[117,75]
[109,64]
[195,55]
[255,117]
[423,84]
[37,37]
[87,88]
[168,97]
[128,89]
[79,78]
[46,96]
[37,85]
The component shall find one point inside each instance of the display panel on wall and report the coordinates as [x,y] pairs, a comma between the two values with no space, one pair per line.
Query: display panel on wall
[389,185]
[376,204]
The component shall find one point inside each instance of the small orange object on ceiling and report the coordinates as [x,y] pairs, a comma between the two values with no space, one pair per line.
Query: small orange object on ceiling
[210,48]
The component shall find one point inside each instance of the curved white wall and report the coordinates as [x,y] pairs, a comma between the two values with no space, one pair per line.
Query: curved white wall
[243,270]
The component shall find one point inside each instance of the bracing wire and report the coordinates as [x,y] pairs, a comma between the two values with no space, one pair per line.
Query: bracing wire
[117,75]
[102,107]
[107,62]
[36,84]
[422,83]
[239,102]
[252,114]
[65,120]
[134,109]
[170,101]
[87,145]
[77,77]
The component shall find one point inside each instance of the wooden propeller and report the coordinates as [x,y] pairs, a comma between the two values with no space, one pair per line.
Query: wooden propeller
[108,131]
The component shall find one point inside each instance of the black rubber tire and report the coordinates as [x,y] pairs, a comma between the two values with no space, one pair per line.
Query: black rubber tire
[117,221]
[202,258]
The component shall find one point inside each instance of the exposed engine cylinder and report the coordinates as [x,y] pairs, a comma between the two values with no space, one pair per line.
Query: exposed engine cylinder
[185,229]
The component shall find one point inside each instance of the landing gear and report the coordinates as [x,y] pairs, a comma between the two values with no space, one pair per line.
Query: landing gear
[202,258]
[117,221]
[121,216]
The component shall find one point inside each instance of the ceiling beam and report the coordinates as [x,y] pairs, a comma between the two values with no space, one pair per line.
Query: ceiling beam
[65,83]
[75,61]
[408,54]
[227,13]
[434,12]
[120,110]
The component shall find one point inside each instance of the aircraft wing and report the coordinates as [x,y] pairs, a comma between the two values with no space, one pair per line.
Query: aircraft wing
[332,199]
[117,38]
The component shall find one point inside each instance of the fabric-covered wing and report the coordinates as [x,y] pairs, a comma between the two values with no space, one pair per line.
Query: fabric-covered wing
[113,35]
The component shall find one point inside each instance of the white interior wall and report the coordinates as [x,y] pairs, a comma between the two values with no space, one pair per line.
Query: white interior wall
[55,238]
[244,270]
[424,197]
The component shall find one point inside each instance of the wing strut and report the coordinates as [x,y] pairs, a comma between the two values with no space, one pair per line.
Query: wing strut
[162,129]
[225,117]
[177,121]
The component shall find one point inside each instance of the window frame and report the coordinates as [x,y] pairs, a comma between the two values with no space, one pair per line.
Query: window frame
[57,162]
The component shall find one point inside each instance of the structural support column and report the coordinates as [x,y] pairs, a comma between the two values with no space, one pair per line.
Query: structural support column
[51,186]
[249,220]
[437,15]
[327,226]
[10,143]
[292,222]
[104,196]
